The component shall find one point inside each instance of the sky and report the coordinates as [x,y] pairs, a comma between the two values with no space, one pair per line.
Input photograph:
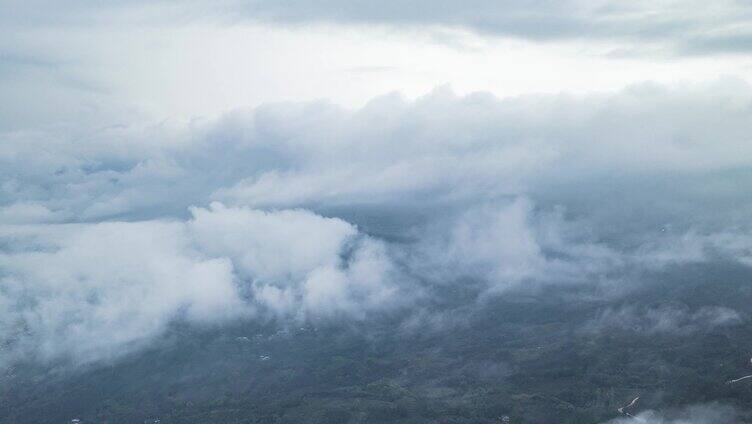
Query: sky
[214,161]
[117,62]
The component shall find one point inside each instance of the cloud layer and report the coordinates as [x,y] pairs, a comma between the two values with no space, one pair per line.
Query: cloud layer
[679,25]
[683,27]
[89,292]
[301,211]
[696,414]
[604,155]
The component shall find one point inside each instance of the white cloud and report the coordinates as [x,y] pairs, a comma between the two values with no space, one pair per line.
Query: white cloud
[101,290]
[672,318]
[695,414]
[503,192]
[91,292]
[27,213]
[299,263]
[508,244]
[604,155]
[671,24]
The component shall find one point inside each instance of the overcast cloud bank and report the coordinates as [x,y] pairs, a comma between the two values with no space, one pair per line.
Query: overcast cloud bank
[592,154]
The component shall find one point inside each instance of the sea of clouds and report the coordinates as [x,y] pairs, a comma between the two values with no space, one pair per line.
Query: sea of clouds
[299,211]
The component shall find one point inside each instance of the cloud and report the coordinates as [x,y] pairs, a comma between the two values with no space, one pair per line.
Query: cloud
[647,144]
[297,263]
[28,212]
[99,290]
[679,26]
[327,212]
[602,156]
[92,292]
[672,318]
[695,414]
[509,244]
